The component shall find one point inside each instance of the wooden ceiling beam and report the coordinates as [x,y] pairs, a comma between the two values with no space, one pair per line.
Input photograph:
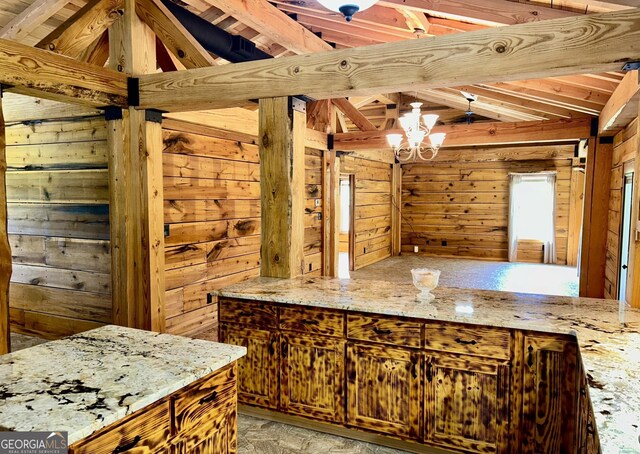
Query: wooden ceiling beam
[353,114]
[173,34]
[587,107]
[487,92]
[590,83]
[40,73]
[83,28]
[478,134]
[271,22]
[31,18]
[486,12]
[555,87]
[622,107]
[499,54]
[350,28]
[494,110]
[98,52]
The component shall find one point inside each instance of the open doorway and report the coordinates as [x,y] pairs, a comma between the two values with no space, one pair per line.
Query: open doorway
[347,233]
[625,231]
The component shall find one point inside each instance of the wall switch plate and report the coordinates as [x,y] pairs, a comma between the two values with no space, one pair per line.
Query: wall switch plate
[415,249]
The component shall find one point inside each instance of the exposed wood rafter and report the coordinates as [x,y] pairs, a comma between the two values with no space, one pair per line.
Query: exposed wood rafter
[31,18]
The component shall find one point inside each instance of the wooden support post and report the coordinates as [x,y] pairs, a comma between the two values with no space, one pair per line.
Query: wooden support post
[396,208]
[331,243]
[594,231]
[5,249]
[282,154]
[136,188]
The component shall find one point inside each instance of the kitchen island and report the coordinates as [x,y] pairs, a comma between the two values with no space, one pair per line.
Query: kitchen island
[116,389]
[472,370]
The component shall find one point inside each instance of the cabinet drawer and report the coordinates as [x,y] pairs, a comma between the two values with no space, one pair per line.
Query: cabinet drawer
[144,432]
[312,320]
[207,397]
[470,340]
[248,313]
[384,330]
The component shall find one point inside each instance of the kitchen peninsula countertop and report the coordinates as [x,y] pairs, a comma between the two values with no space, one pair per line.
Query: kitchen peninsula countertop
[608,332]
[85,382]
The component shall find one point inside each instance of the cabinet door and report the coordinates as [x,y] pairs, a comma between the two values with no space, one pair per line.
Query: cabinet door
[383,389]
[216,436]
[258,370]
[466,402]
[312,377]
[550,400]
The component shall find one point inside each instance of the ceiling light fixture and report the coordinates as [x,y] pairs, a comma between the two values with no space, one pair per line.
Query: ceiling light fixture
[415,132]
[347,7]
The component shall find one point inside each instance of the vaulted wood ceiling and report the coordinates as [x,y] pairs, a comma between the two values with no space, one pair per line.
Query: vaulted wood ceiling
[288,27]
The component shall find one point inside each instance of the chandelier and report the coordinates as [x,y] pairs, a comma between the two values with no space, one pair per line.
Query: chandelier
[416,131]
[347,7]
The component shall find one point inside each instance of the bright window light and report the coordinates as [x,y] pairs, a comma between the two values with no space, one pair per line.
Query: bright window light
[535,199]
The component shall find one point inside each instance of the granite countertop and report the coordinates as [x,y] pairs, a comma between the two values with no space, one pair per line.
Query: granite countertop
[85,382]
[607,331]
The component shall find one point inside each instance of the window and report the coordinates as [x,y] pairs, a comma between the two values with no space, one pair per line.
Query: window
[532,212]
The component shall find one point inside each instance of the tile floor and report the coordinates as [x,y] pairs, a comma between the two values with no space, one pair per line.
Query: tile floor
[464,273]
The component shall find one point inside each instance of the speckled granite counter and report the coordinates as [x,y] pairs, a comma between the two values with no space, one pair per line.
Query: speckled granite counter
[85,382]
[608,333]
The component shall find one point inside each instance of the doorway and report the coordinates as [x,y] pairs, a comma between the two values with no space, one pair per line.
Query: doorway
[625,233]
[347,222]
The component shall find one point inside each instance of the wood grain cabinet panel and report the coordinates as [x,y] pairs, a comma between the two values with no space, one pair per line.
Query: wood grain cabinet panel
[248,313]
[385,330]
[466,402]
[549,395]
[312,377]
[470,340]
[384,389]
[217,436]
[312,321]
[195,404]
[258,370]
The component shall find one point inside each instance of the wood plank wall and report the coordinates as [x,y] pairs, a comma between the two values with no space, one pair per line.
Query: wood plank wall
[313,223]
[460,209]
[625,149]
[372,209]
[58,195]
[212,213]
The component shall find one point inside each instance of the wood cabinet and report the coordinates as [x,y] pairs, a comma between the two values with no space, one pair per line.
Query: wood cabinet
[199,419]
[466,402]
[549,395]
[476,389]
[383,389]
[312,376]
[258,370]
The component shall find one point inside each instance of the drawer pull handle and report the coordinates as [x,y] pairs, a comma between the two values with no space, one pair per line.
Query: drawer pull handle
[309,322]
[381,332]
[210,398]
[530,360]
[272,347]
[245,314]
[429,372]
[464,342]
[127,446]
[415,370]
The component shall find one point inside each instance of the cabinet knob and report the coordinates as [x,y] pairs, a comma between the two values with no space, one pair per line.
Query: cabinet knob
[127,446]
[429,371]
[381,332]
[530,356]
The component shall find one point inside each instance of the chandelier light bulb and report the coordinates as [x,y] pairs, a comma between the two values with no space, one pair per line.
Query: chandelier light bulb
[437,139]
[430,120]
[347,7]
[394,140]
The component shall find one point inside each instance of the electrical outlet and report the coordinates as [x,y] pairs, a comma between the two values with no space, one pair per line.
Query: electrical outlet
[415,249]
[319,216]
[317,202]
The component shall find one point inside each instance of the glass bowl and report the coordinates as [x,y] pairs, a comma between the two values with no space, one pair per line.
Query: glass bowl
[425,280]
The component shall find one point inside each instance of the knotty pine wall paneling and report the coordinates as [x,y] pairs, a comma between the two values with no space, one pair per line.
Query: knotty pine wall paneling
[460,209]
[625,149]
[212,217]
[372,210]
[58,220]
[212,222]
